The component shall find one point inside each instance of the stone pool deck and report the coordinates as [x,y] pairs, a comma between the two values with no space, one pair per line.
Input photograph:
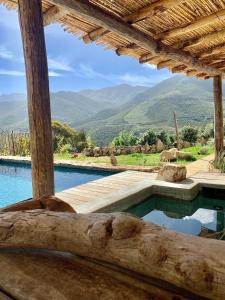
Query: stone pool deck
[120,191]
[124,189]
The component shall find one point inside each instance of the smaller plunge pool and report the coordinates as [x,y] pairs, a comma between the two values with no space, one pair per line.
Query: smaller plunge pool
[203,216]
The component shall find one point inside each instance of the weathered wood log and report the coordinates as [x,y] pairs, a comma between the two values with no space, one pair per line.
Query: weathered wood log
[46,202]
[45,275]
[218,116]
[192,263]
[31,24]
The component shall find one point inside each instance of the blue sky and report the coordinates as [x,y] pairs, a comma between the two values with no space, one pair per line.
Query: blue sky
[72,64]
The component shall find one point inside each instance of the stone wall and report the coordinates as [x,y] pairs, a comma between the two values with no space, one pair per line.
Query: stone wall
[107,151]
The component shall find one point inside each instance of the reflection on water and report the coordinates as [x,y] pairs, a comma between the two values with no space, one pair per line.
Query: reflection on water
[202,216]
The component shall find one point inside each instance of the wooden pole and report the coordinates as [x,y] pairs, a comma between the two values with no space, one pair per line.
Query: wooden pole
[176,130]
[218,116]
[31,24]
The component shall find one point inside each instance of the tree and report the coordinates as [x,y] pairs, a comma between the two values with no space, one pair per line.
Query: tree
[189,134]
[65,135]
[148,137]
[125,138]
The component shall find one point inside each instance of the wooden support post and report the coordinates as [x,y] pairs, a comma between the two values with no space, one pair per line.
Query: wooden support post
[218,116]
[31,24]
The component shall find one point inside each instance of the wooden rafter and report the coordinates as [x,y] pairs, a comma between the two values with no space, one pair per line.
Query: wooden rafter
[164,64]
[52,15]
[213,51]
[178,69]
[95,35]
[206,39]
[205,21]
[151,10]
[101,18]
[127,49]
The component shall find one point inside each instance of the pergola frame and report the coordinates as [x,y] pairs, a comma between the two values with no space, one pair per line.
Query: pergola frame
[37,77]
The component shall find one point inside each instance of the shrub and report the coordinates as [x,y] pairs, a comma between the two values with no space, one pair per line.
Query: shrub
[189,134]
[208,132]
[204,150]
[164,137]
[125,138]
[149,137]
[219,163]
[65,149]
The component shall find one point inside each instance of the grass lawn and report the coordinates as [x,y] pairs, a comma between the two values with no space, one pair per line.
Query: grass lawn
[136,159]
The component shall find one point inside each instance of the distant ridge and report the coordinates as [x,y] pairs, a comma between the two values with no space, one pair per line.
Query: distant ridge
[105,112]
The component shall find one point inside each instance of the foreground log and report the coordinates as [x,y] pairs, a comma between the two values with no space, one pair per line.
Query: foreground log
[46,275]
[46,202]
[191,263]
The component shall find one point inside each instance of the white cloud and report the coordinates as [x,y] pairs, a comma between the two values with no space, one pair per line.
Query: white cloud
[54,74]
[135,79]
[16,73]
[5,53]
[86,71]
[11,72]
[203,215]
[149,66]
[59,64]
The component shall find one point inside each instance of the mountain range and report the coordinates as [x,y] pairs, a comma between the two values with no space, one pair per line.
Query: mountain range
[103,113]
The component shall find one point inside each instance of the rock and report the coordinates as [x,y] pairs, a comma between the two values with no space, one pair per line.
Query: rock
[113,160]
[159,146]
[173,173]
[184,155]
[169,155]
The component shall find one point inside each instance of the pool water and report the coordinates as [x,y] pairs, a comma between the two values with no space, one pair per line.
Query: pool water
[203,216]
[15,180]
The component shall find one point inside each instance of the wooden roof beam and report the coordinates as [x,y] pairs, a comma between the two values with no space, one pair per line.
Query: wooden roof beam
[205,21]
[210,37]
[164,64]
[146,58]
[127,49]
[151,10]
[95,35]
[52,15]
[212,52]
[178,69]
[101,18]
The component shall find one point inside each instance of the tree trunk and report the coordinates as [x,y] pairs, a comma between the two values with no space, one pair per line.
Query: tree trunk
[191,263]
[218,116]
[31,25]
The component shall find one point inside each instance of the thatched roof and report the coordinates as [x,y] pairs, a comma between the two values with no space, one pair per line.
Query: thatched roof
[182,35]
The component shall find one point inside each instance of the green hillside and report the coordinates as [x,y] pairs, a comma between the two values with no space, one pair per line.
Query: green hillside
[191,99]
[106,112]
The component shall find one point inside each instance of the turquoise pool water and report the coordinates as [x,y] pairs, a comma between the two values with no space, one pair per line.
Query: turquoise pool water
[15,180]
[203,216]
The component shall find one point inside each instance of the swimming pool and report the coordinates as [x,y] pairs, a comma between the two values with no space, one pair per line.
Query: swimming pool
[203,216]
[15,180]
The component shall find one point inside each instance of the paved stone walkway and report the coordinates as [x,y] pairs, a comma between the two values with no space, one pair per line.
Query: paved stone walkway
[201,165]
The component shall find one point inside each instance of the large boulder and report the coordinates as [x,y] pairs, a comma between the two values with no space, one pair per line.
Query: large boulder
[169,155]
[172,173]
